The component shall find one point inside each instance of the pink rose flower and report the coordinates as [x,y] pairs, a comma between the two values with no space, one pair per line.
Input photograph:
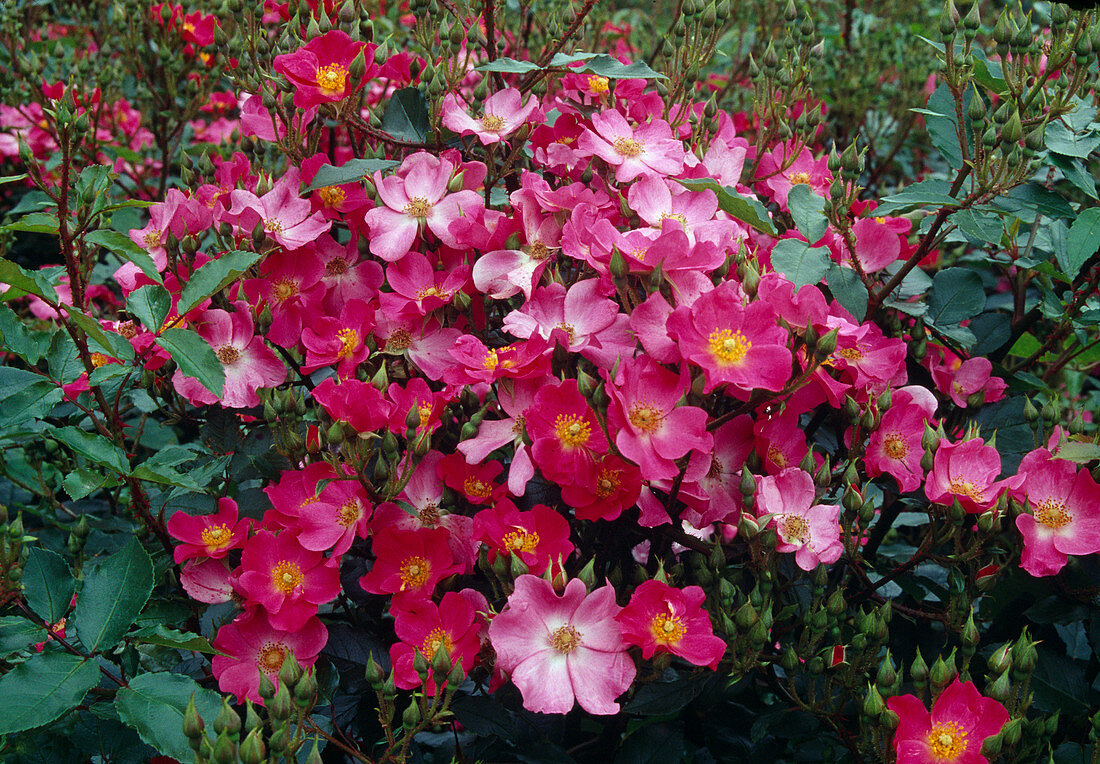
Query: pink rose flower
[561,650]
[961,720]
[663,619]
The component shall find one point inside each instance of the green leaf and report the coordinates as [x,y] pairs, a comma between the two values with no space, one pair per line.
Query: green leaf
[214,277]
[988,73]
[154,704]
[668,697]
[1083,241]
[48,584]
[604,65]
[849,291]
[1033,197]
[1078,452]
[35,222]
[1059,684]
[1061,140]
[166,637]
[195,358]
[156,473]
[63,358]
[26,396]
[25,281]
[44,687]
[800,262]
[957,294]
[115,590]
[12,178]
[17,337]
[484,715]
[83,481]
[653,744]
[406,116]
[352,171]
[1076,173]
[942,129]
[509,66]
[808,211]
[123,246]
[931,192]
[150,304]
[111,343]
[93,447]
[18,634]
[748,211]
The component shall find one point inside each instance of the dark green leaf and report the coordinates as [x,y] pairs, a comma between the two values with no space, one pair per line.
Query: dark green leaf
[114,592]
[47,584]
[800,262]
[957,294]
[992,330]
[159,473]
[83,481]
[93,447]
[214,277]
[808,211]
[748,211]
[1083,242]
[483,715]
[44,687]
[63,359]
[32,201]
[653,744]
[150,304]
[663,698]
[166,637]
[123,246]
[352,171]
[19,634]
[1076,173]
[406,116]
[195,358]
[849,291]
[1035,198]
[1078,452]
[154,704]
[1059,684]
[17,337]
[35,222]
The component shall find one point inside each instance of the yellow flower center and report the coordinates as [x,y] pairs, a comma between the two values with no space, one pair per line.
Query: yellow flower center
[270,657]
[629,147]
[273,225]
[565,639]
[216,536]
[675,216]
[521,540]
[645,416]
[283,289]
[850,354]
[152,239]
[777,457]
[332,79]
[227,354]
[424,411]
[349,514]
[794,529]
[598,85]
[639,253]
[418,207]
[399,340]
[432,291]
[538,251]
[517,428]
[895,446]
[349,342]
[414,572]
[1052,513]
[716,468]
[728,346]
[429,515]
[667,629]
[879,219]
[332,196]
[572,430]
[962,487]
[492,122]
[799,178]
[490,360]
[570,332]
[286,576]
[477,487]
[436,639]
[947,741]
[337,266]
[608,482]
[98,359]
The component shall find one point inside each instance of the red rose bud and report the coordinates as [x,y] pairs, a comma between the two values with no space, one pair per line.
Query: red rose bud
[313,439]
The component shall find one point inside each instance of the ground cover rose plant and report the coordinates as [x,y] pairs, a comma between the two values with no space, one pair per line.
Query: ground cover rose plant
[422,381]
